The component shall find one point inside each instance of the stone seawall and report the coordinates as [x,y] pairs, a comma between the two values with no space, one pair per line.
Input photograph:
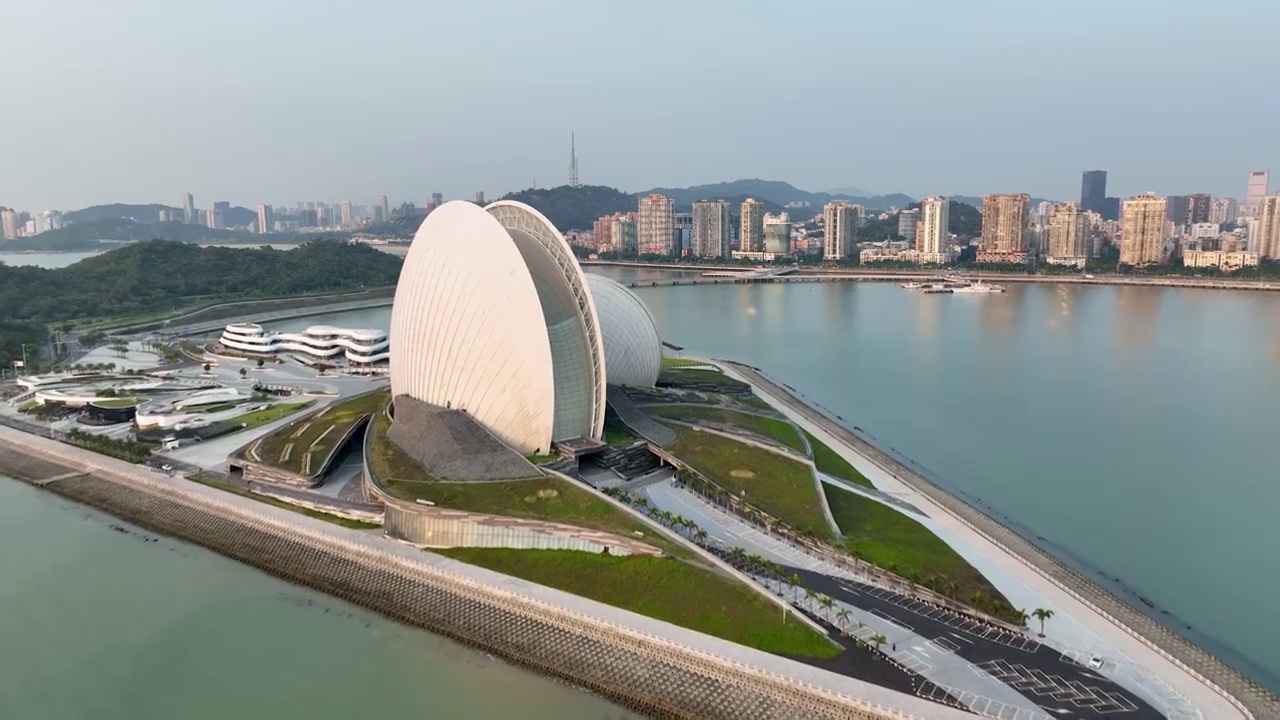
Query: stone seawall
[648,674]
[1246,694]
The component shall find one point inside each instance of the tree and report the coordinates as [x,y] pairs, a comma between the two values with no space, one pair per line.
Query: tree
[1041,614]
[879,640]
[207,366]
[842,617]
[244,372]
[794,581]
[1021,616]
[809,597]
[261,362]
[826,603]
[119,346]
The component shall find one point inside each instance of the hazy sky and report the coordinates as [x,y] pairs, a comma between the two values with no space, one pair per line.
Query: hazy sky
[262,100]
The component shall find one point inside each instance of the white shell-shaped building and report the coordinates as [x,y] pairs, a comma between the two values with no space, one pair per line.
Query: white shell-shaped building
[492,315]
[632,346]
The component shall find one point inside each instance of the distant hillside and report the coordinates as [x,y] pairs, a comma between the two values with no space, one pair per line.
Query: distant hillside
[977,201]
[85,235]
[851,191]
[158,275]
[148,214]
[777,192]
[570,208]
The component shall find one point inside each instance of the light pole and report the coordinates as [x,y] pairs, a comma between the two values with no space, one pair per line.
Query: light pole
[24,355]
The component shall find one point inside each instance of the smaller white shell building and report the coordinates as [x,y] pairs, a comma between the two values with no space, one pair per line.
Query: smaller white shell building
[493,316]
[632,346]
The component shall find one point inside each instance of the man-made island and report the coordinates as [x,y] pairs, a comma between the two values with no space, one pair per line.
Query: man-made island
[684,535]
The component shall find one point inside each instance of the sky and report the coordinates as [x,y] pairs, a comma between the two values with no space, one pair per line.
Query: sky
[268,101]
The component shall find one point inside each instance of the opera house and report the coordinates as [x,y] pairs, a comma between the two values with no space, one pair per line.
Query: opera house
[493,317]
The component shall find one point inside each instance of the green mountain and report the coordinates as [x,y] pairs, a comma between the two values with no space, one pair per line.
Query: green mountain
[85,235]
[148,214]
[777,192]
[159,275]
[575,208]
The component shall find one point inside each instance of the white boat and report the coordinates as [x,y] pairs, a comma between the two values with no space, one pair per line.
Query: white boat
[979,287]
[911,285]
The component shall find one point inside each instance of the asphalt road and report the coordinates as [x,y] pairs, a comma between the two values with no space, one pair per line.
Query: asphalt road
[1041,674]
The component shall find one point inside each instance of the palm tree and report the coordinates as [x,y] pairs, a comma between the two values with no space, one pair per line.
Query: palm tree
[842,617]
[794,580]
[977,598]
[809,595]
[206,367]
[1041,614]
[825,603]
[261,362]
[243,372]
[1022,617]
[879,640]
[700,535]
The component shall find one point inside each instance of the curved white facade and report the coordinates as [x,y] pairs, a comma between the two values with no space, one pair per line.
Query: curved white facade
[632,346]
[492,315]
[323,342]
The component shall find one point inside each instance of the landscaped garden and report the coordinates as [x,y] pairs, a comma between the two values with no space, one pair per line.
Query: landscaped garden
[829,462]
[662,588]
[270,414]
[777,485]
[327,517]
[780,431]
[889,539]
[543,497]
[304,445]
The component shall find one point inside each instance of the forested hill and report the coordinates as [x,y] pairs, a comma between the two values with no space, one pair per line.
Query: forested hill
[575,208]
[159,275]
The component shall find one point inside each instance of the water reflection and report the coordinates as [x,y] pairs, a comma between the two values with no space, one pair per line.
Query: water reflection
[1137,314]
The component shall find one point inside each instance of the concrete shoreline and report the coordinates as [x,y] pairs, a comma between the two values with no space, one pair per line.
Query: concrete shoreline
[1244,694]
[650,666]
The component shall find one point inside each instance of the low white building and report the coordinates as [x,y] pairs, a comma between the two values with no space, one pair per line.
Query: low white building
[320,342]
[1220,259]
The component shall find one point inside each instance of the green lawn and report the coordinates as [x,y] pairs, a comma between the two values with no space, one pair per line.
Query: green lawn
[676,362]
[237,490]
[777,430]
[780,486]
[618,436]
[339,415]
[832,464]
[271,414]
[889,539]
[538,498]
[661,588]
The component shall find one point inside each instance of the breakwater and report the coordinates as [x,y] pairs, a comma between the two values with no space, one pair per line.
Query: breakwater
[1246,694]
[646,673]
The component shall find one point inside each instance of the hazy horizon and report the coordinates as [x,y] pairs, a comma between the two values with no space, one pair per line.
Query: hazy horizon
[277,102]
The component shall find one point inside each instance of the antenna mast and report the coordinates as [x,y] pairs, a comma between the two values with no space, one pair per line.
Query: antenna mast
[573,162]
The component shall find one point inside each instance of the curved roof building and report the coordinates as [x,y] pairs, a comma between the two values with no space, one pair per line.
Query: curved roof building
[492,315]
[632,346]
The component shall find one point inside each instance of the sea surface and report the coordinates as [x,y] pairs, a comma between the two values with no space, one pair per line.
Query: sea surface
[1132,429]
[111,625]
[46,259]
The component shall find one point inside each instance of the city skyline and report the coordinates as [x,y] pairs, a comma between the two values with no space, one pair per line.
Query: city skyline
[196,119]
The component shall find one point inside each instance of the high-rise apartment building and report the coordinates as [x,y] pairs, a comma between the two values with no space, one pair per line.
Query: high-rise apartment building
[777,233]
[907,221]
[9,221]
[1223,211]
[682,234]
[437,199]
[266,219]
[1268,244]
[625,238]
[188,208]
[385,206]
[601,231]
[751,229]
[1142,230]
[479,197]
[1093,190]
[218,215]
[1198,208]
[1005,220]
[839,231]
[655,225]
[712,229]
[345,210]
[933,240]
[1259,186]
[1069,230]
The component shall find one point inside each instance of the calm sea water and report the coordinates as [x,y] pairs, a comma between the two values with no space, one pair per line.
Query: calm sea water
[1130,428]
[46,260]
[108,625]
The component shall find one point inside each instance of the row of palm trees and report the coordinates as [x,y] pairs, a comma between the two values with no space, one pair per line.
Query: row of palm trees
[92,367]
[754,565]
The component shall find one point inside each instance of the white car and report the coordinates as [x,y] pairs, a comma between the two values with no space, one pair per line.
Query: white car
[1095,662]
